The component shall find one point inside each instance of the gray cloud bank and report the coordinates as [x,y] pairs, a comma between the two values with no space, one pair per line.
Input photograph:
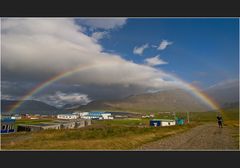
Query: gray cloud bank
[35,49]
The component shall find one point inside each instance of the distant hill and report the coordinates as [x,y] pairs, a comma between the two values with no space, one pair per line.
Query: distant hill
[29,106]
[168,100]
[225,94]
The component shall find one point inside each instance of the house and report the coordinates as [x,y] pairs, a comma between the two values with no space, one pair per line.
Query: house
[151,115]
[26,116]
[148,116]
[81,114]
[106,116]
[67,116]
[16,117]
[92,116]
[7,125]
[168,122]
[162,122]
[97,115]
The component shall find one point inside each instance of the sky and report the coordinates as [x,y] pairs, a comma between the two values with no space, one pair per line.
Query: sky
[124,56]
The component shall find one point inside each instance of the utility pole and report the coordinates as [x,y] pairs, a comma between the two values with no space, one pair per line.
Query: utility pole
[188,117]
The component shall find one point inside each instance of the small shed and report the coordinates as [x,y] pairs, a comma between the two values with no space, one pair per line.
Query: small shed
[7,125]
[155,122]
[180,121]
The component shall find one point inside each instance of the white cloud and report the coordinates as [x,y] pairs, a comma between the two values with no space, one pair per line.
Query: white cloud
[153,61]
[139,50]
[99,35]
[163,45]
[60,99]
[103,23]
[40,48]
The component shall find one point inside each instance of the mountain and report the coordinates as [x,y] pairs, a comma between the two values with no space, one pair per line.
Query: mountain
[168,100]
[29,106]
[225,93]
[70,106]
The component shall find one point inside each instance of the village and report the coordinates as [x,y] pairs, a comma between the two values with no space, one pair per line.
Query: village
[77,120]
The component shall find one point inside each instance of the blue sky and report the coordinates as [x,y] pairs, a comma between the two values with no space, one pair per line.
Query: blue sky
[136,56]
[204,50]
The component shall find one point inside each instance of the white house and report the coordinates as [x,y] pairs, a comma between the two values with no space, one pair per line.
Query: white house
[16,117]
[83,114]
[96,115]
[168,122]
[106,116]
[67,116]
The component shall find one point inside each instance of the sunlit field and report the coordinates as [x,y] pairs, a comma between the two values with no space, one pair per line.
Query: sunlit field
[121,134]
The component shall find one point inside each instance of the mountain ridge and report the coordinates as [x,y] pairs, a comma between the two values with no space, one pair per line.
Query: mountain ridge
[29,106]
[169,100]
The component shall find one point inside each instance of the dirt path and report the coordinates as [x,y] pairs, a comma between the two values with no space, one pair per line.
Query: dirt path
[203,137]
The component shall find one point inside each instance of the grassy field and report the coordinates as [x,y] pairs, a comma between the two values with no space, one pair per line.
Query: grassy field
[119,134]
[102,135]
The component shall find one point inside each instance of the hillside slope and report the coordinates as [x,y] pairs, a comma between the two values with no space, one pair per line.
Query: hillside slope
[29,106]
[169,100]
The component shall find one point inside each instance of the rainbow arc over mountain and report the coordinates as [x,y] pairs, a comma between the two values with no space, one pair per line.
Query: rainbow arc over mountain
[193,90]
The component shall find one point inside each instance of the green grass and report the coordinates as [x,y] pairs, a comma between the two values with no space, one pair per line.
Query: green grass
[231,114]
[94,137]
[119,134]
[122,122]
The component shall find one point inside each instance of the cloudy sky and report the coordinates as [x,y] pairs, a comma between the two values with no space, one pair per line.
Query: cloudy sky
[123,56]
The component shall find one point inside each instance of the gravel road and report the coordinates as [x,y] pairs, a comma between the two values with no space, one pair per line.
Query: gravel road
[203,137]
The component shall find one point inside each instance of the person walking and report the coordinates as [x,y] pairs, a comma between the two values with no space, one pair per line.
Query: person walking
[220,121]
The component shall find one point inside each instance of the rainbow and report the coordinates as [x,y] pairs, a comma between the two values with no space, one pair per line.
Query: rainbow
[48,82]
[193,90]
